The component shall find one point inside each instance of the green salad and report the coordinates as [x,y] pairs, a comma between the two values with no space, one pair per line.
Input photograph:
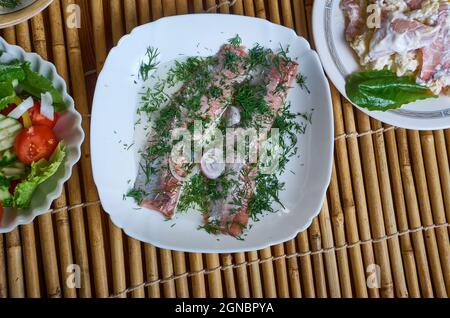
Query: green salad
[30,152]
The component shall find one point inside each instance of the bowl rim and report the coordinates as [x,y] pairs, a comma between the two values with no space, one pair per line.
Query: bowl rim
[327,169]
[77,128]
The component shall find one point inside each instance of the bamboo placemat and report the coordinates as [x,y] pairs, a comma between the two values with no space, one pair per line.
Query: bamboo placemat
[388,205]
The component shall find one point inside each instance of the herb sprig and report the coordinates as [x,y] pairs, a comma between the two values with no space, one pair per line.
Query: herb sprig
[151,64]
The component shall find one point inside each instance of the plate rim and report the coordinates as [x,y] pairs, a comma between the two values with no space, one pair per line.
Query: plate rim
[18,16]
[330,149]
[332,71]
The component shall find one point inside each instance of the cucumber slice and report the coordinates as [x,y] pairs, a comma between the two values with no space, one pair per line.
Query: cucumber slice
[12,172]
[8,122]
[10,131]
[7,143]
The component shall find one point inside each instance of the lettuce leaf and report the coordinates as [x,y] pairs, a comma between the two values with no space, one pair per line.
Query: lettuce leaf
[35,84]
[12,71]
[7,94]
[40,172]
[383,90]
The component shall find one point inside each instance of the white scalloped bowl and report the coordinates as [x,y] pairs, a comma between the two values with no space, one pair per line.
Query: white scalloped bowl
[113,118]
[68,128]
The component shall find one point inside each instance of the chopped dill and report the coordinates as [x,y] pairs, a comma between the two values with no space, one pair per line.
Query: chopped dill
[301,81]
[258,57]
[250,99]
[146,67]
[137,194]
[235,41]
[267,191]
[230,61]
[212,227]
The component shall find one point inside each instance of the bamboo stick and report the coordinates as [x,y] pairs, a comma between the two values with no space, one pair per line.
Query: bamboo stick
[444,171]
[274,12]
[437,203]
[182,284]
[79,235]
[286,10]
[169,8]
[249,6]
[45,221]
[375,207]
[410,260]
[363,218]
[281,271]
[415,220]
[143,11]
[330,257]
[242,275]
[157,10]
[293,270]
[228,275]
[182,6]
[27,231]
[117,259]
[211,6]
[338,221]
[305,266]
[93,211]
[425,204]
[62,218]
[14,263]
[388,208]
[3,277]
[447,139]
[214,277]
[151,262]
[116,20]
[224,8]
[131,19]
[317,259]
[167,273]
[349,207]
[300,17]
[198,6]
[260,9]
[255,276]
[65,247]
[198,278]
[238,7]
[347,125]
[136,270]
[98,31]
[270,290]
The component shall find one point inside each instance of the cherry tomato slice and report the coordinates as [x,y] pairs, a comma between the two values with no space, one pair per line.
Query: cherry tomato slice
[35,143]
[38,119]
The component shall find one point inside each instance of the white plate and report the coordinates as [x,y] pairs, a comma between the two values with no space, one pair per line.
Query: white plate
[339,61]
[68,128]
[114,115]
